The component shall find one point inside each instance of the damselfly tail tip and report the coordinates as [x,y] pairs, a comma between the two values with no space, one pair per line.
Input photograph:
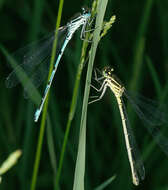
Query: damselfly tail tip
[36,115]
[135,180]
[136,183]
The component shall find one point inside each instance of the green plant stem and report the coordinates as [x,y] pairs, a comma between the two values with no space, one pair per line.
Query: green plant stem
[44,115]
[80,163]
[138,55]
[154,76]
[71,113]
[72,109]
[140,47]
[36,19]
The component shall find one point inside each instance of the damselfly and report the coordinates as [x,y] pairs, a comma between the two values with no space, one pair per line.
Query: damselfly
[40,54]
[146,109]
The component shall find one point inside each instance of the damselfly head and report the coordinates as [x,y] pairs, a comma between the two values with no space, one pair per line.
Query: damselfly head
[85,14]
[86,10]
[107,71]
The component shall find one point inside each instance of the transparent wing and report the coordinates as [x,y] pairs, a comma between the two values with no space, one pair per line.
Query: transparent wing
[151,113]
[32,57]
[137,161]
[37,78]
[29,57]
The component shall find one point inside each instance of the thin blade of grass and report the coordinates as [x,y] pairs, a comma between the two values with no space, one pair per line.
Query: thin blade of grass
[36,18]
[139,47]
[73,102]
[106,183]
[154,76]
[23,78]
[44,114]
[162,94]
[138,54]
[51,147]
[80,162]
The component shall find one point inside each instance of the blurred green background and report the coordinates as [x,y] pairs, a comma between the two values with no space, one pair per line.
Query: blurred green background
[136,46]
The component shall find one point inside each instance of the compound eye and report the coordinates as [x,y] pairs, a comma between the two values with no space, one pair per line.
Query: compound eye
[85,9]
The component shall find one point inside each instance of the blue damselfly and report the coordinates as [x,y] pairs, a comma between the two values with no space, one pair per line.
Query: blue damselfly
[39,54]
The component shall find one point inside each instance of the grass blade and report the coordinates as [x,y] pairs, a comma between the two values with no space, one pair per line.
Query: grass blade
[80,163]
[51,148]
[23,78]
[44,115]
[73,102]
[140,46]
[154,76]
[106,183]
[36,18]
